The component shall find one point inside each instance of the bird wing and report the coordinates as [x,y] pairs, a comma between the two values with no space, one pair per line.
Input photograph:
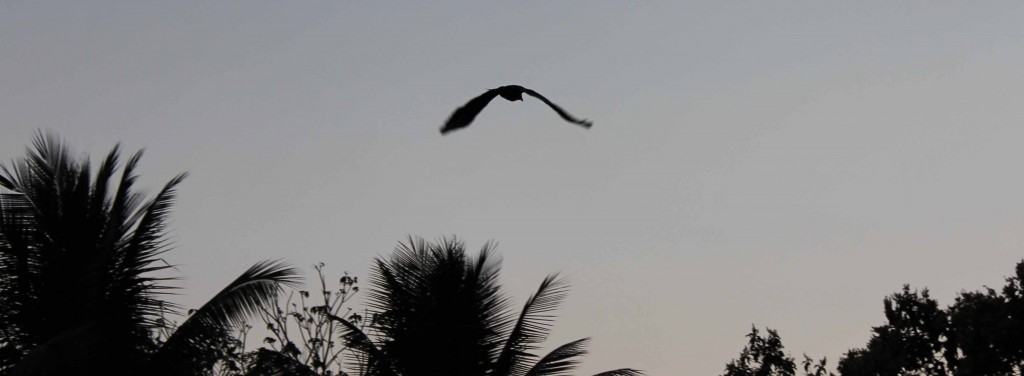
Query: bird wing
[565,115]
[465,114]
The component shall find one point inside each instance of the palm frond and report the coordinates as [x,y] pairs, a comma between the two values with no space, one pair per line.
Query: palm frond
[209,324]
[19,266]
[368,355]
[436,311]
[491,305]
[431,301]
[123,212]
[560,361]
[147,239]
[134,263]
[244,296]
[5,182]
[98,200]
[54,226]
[532,327]
[622,372]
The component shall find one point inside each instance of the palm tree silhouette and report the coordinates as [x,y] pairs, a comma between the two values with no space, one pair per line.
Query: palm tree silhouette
[82,284]
[436,311]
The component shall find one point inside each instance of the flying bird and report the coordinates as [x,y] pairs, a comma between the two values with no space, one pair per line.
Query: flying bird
[465,114]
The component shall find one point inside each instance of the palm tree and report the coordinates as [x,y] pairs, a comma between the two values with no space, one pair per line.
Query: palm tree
[82,284]
[436,311]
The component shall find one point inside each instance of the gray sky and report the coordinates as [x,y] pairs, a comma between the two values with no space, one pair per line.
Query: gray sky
[785,164]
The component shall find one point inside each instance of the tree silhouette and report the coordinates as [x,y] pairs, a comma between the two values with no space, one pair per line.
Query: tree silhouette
[911,341]
[765,356]
[437,311]
[300,336]
[82,284]
[982,333]
[986,330]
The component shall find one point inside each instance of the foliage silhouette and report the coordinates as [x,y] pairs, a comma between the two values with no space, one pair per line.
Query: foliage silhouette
[911,342]
[82,284]
[301,338]
[764,356]
[436,311]
[982,333]
[464,115]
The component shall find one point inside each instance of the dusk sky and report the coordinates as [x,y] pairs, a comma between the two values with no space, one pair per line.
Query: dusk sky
[783,164]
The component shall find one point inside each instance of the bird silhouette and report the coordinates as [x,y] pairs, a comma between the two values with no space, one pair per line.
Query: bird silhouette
[465,114]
